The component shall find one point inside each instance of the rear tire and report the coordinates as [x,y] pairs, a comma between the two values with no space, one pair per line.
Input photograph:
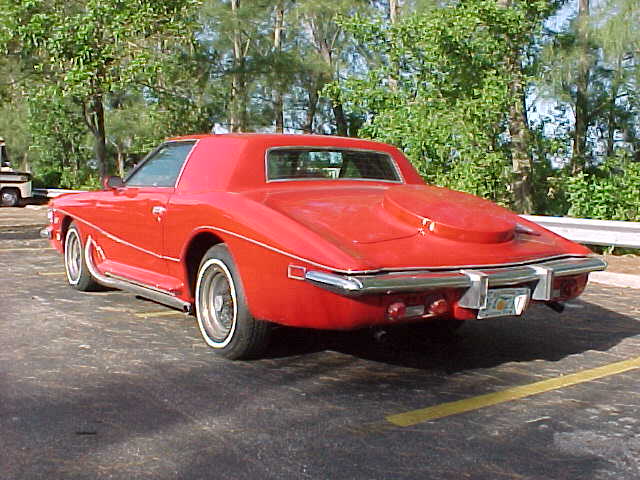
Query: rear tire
[10,197]
[221,309]
[78,274]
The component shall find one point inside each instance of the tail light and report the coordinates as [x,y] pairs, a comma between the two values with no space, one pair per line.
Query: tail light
[568,287]
[431,306]
[396,311]
[438,307]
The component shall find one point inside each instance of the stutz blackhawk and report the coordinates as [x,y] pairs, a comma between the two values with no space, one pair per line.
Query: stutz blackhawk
[250,230]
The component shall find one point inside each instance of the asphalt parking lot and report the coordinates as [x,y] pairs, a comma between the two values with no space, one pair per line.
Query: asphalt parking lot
[106,385]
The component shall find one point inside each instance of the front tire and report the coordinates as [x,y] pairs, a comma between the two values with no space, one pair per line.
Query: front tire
[221,308]
[78,274]
[10,197]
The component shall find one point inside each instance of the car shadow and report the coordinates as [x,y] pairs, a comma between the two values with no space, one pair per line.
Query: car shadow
[20,232]
[540,334]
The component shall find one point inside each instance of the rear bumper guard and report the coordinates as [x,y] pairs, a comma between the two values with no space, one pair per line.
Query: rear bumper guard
[475,281]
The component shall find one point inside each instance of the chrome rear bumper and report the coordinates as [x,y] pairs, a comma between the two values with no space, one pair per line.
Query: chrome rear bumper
[475,281]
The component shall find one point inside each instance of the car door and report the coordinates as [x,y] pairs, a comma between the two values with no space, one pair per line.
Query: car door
[132,216]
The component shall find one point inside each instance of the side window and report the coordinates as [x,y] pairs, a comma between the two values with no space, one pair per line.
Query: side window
[162,168]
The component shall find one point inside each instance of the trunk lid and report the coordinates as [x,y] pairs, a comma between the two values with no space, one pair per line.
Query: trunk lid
[414,226]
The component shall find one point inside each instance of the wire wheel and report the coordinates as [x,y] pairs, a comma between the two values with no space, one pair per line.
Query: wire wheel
[217,305]
[73,256]
[224,319]
[78,274]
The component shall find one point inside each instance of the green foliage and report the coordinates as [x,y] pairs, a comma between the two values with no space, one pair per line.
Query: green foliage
[442,94]
[442,83]
[79,53]
[600,51]
[14,129]
[610,191]
[59,140]
[95,46]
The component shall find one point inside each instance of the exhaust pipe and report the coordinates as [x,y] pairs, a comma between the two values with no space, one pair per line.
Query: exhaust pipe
[555,306]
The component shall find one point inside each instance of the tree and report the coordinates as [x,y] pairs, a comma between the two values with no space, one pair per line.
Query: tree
[327,39]
[459,78]
[278,28]
[86,50]
[578,159]
[617,35]
[520,41]
[593,68]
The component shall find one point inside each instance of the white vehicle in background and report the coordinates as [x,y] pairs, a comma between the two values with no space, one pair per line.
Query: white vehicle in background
[14,185]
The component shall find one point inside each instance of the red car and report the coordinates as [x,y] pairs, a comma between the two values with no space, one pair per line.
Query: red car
[321,232]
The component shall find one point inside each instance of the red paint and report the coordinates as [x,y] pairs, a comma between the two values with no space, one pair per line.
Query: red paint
[333,225]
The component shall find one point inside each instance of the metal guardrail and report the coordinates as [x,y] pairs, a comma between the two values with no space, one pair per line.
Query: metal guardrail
[592,232]
[52,192]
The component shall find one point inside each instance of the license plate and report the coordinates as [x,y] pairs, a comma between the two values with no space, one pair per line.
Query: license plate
[502,302]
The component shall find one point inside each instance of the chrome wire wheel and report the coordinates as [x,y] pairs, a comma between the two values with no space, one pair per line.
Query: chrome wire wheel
[73,256]
[216,303]
[224,319]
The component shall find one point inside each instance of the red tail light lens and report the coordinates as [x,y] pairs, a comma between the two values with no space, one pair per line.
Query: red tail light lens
[438,307]
[396,311]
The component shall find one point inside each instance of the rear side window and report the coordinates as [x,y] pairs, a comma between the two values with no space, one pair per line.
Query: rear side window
[330,164]
[162,167]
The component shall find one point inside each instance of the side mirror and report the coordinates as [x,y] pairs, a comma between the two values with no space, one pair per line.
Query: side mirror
[112,183]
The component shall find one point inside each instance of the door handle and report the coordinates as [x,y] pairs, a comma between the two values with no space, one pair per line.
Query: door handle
[158,210]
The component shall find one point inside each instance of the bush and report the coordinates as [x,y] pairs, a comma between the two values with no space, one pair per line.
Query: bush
[610,191]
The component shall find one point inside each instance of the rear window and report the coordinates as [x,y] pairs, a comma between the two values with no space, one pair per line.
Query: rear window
[333,164]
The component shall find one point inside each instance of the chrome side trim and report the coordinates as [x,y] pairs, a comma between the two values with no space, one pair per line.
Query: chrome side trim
[335,283]
[476,282]
[120,283]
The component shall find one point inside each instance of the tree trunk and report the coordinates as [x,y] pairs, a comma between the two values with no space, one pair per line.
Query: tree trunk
[342,127]
[394,10]
[120,163]
[311,109]
[611,123]
[521,161]
[578,159]
[237,116]
[278,107]
[93,111]
[324,47]
[26,166]
[101,143]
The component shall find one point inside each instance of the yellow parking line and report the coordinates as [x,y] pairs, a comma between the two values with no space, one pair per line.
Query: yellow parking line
[49,274]
[164,313]
[414,417]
